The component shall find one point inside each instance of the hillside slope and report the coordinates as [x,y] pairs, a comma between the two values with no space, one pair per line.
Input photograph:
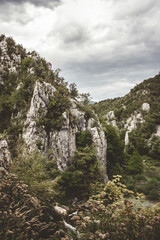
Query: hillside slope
[136,116]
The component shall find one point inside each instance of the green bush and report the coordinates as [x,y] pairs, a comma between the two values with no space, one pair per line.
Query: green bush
[38,173]
[151,189]
[58,105]
[11,46]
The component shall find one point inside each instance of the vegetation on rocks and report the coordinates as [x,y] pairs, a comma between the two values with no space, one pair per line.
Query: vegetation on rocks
[143,140]
[33,192]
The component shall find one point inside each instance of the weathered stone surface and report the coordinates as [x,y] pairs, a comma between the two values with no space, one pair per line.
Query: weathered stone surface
[111,119]
[5,157]
[33,134]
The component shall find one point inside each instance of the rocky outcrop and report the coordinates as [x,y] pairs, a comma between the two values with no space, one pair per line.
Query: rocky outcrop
[111,119]
[5,157]
[34,135]
[146,107]
[60,144]
[131,124]
[10,61]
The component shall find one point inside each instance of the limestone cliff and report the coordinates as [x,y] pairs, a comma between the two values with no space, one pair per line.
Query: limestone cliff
[61,144]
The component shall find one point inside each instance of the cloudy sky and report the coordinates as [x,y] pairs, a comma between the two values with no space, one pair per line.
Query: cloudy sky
[105,46]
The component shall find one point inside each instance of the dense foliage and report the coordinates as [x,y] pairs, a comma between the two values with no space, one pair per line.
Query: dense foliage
[48,184]
[38,172]
[115,151]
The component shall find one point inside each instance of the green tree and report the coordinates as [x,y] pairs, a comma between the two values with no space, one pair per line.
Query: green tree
[73,90]
[38,173]
[115,151]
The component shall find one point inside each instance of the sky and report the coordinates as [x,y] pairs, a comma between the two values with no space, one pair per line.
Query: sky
[106,47]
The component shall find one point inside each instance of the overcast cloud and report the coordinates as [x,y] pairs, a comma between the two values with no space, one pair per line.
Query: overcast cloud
[46,3]
[105,46]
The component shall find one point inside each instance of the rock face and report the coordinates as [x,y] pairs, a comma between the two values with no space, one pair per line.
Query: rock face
[111,119]
[129,124]
[32,134]
[5,157]
[60,144]
[11,62]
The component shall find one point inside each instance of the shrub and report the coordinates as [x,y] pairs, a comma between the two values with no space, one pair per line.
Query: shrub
[38,173]
[151,189]
[58,105]
[27,63]
[73,90]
